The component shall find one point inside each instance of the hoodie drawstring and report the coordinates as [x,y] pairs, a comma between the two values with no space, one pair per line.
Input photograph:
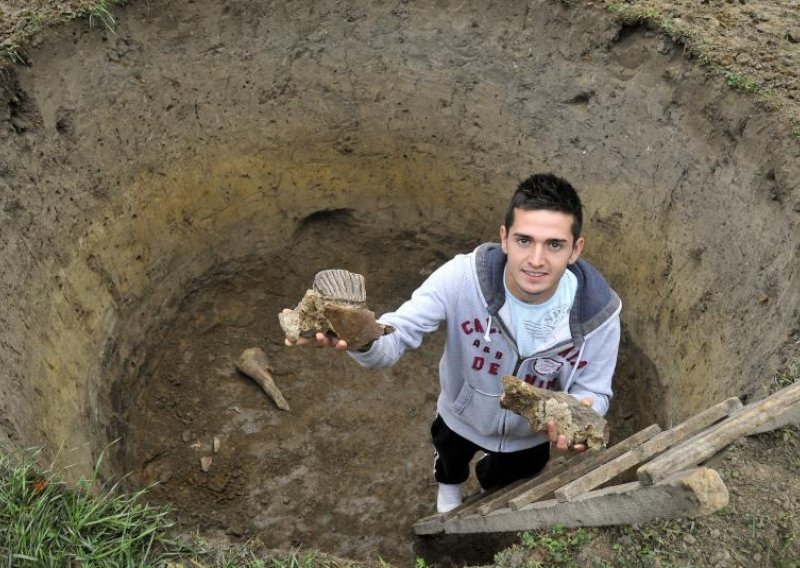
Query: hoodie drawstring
[486,337]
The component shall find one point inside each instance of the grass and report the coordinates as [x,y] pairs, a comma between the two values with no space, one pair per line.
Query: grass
[547,547]
[244,557]
[44,523]
[790,375]
[630,13]
[98,12]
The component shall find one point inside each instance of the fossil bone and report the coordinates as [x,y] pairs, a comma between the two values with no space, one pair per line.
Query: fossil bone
[579,423]
[336,305]
[253,363]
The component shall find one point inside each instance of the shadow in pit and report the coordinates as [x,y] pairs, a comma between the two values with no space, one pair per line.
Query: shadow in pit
[639,394]
[444,550]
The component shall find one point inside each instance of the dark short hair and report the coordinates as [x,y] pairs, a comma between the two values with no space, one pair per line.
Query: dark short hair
[547,191]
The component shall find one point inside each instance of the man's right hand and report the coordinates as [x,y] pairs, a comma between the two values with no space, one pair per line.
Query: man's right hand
[321,339]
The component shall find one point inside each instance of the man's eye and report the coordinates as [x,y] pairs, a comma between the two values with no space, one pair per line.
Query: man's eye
[555,245]
[522,241]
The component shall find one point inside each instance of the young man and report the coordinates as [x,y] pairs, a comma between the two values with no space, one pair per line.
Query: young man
[526,307]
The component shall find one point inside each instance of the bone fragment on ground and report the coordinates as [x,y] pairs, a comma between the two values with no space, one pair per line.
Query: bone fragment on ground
[253,363]
[336,305]
[578,422]
[205,463]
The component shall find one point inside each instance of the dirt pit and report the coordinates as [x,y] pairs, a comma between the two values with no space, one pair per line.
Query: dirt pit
[346,471]
[169,187]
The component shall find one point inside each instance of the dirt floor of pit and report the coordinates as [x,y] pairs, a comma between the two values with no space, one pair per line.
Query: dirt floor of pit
[348,469]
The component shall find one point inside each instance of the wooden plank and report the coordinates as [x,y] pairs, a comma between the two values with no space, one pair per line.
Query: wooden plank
[540,490]
[433,523]
[706,444]
[790,416]
[501,498]
[681,432]
[687,494]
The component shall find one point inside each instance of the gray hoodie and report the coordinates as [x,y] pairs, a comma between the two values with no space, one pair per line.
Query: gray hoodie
[468,294]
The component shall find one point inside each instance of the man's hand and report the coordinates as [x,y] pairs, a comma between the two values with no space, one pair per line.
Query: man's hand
[321,339]
[560,440]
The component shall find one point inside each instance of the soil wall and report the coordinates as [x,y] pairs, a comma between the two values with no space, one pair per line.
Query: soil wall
[206,139]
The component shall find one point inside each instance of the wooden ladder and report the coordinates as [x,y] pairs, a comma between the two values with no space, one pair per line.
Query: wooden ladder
[669,485]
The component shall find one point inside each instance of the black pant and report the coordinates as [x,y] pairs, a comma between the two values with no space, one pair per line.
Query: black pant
[494,470]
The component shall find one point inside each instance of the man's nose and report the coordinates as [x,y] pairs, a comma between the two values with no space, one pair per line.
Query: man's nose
[536,257]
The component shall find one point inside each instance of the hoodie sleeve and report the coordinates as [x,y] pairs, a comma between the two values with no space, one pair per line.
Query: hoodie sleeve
[421,314]
[593,378]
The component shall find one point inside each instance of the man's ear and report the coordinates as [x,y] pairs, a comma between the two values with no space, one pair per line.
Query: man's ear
[503,239]
[576,250]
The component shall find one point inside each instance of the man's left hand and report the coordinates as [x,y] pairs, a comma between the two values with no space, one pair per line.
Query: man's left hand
[559,440]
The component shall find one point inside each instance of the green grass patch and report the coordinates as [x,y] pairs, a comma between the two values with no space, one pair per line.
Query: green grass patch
[790,375]
[547,547]
[43,522]
[97,12]
[631,13]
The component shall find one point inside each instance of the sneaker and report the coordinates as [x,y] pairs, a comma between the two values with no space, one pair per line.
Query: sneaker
[449,497]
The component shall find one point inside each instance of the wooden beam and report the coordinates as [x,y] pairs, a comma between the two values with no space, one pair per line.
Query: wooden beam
[790,416]
[433,524]
[658,444]
[687,494]
[706,444]
[500,499]
[540,490]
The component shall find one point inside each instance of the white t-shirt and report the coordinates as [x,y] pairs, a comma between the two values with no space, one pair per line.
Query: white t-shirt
[533,324]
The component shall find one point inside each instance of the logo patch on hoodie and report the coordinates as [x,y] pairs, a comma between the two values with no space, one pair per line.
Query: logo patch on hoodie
[546,367]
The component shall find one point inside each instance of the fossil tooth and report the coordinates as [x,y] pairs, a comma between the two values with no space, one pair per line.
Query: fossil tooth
[341,286]
[336,305]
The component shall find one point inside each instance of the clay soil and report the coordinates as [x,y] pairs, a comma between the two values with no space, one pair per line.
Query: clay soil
[279,477]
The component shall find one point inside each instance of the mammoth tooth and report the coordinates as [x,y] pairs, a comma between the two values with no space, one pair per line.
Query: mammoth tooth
[341,286]
[336,305]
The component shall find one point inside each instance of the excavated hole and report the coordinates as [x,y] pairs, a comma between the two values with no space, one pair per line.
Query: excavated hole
[348,469]
[158,218]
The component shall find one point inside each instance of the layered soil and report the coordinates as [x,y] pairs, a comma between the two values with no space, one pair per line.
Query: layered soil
[167,188]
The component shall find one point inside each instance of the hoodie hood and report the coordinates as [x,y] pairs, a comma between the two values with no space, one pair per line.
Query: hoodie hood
[594,303]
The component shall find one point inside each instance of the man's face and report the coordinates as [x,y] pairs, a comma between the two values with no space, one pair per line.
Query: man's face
[539,245]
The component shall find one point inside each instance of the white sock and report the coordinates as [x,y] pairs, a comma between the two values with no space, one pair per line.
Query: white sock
[449,497]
